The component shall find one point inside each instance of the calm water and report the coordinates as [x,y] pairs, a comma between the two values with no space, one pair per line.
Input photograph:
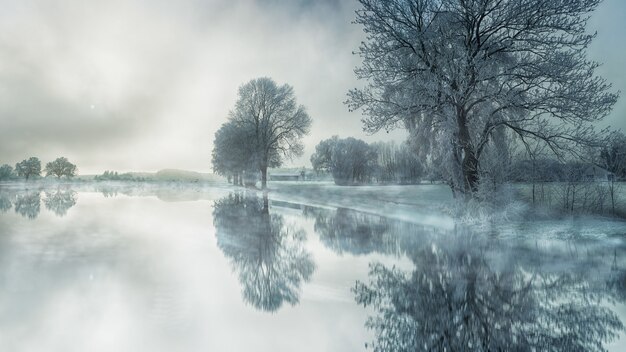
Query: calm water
[211,269]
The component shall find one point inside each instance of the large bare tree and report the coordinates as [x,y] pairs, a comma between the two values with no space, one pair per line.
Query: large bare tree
[457,73]
[273,121]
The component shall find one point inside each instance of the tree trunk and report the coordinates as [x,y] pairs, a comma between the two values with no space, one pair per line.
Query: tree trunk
[612,189]
[469,164]
[263,176]
[266,207]
[236,179]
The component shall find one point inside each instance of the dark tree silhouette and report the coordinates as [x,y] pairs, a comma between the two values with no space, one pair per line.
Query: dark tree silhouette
[267,254]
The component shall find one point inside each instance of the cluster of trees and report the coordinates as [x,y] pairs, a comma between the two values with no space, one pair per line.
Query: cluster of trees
[265,127]
[115,176]
[353,161]
[468,79]
[31,167]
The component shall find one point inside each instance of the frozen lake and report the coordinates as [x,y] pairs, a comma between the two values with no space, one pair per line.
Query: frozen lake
[124,268]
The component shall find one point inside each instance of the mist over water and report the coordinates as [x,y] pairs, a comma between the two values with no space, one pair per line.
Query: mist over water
[123,268]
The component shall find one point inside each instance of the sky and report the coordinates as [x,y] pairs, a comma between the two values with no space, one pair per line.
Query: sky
[142,85]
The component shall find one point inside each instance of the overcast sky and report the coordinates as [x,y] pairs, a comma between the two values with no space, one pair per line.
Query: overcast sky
[141,85]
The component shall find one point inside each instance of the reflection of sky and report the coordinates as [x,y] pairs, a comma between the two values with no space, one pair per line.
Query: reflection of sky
[130,274]
[137,273]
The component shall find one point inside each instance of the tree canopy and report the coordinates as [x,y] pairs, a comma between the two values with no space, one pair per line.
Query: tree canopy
[349,160]
[60,167]
[28,168]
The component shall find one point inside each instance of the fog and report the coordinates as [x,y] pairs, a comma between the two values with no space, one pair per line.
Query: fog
[143,85]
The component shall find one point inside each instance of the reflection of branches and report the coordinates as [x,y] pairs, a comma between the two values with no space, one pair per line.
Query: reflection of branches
[5,201]
[60,201]
[267,254]
[457,299]
[28,204]
[349,231]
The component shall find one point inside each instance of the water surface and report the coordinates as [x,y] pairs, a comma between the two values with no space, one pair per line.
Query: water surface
[124,268]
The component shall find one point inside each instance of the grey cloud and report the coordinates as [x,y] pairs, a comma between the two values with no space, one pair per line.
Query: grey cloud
[144,85]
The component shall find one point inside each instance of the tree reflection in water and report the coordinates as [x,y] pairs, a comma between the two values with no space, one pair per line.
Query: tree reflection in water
[267,253]
[349,231]
[60,201]
[471,294]
[5,201]
[28,203]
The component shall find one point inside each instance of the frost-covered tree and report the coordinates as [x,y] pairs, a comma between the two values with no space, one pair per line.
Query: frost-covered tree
[455,72]
[397,163]
[60,167]
[349,160]
[269,115]
[28,168]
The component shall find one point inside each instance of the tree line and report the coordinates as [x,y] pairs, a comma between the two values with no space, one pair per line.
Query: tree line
[471,82]
[31,168]
[352,161]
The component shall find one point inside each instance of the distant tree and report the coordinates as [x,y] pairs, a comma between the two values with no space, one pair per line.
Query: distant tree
[115,176]
[6,172]
[349,160]
[272,121]
[322,159]
[60,167]
[454,73]
[613,154]
[28,168]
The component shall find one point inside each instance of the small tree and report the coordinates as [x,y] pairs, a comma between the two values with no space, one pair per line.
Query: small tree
[28,168]
[60,167]
[6,172]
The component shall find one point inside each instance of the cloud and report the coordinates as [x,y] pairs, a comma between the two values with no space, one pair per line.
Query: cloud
[144,85]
